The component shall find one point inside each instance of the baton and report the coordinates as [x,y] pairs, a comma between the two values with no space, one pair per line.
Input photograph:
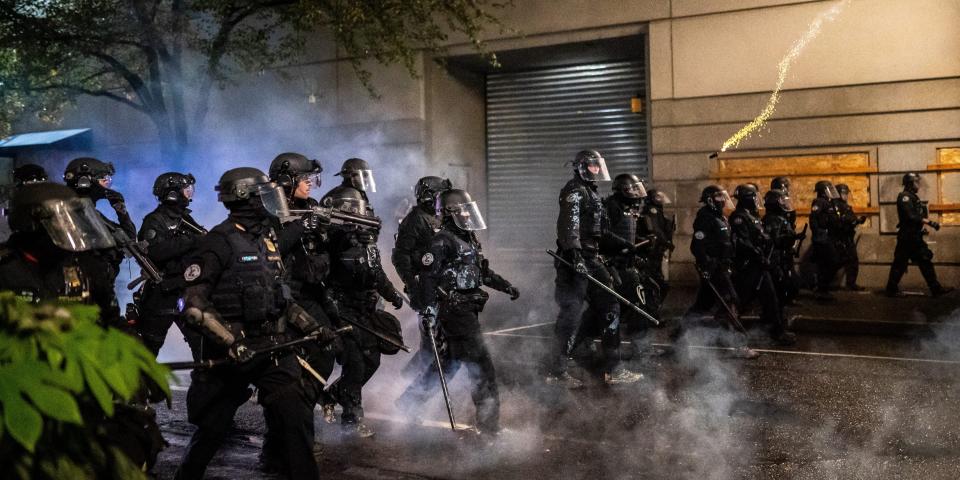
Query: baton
[443,379]
[606,289]
[274,348]
[733,317]
[382,336]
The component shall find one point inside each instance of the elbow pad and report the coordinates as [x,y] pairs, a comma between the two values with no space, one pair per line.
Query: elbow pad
[209,322]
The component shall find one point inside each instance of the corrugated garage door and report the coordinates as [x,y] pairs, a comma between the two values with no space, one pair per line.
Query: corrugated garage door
[537,121]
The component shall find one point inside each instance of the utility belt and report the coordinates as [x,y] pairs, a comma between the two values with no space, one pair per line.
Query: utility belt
[366,299]
[464,301]
[264,332]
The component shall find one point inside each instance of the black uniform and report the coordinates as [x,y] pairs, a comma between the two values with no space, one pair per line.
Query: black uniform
[847,247]
[357,281]
[627,222]
[911,247]
[659,229]
[783,237]
[581,232]
[712,248]
[34,269]
[168,242]
[826,237]
[236,275]
[458,269]
[753,252]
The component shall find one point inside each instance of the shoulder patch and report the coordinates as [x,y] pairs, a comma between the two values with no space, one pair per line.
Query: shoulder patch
[192,272]
[427,259]
[904,198]
[699,235]
[737,220]
[814,208]
[573,197]
[653,210]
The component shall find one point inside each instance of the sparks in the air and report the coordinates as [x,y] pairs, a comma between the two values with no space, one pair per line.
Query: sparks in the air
[782,69]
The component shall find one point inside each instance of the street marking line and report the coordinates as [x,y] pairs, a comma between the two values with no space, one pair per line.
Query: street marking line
[514,329]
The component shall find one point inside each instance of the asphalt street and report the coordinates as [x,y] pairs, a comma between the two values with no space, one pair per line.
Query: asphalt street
[833,406]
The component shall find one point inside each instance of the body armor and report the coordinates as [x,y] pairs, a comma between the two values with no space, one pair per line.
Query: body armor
[711,238]
[248,290]
[581,219]
[464,270]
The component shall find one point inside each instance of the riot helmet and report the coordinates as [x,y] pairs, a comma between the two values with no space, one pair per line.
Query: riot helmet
[29,173]
[70,221]
[174,188]
[289,169]
[356,172]
[778,200]
[630,186]
[747,197]
[911,182]
[716,197]
[781,183]
[348,200]
[825,189]
[428,187]
[89,176]
[843,191]
[591,167]
[658,198]
[457,205]
[245,186]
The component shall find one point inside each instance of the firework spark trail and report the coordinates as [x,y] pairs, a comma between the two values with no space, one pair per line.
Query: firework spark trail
[782,69]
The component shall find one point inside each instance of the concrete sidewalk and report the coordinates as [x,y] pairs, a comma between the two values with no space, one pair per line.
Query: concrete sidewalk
[863,313]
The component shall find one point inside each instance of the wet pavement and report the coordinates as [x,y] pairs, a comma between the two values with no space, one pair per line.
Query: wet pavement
[839,404]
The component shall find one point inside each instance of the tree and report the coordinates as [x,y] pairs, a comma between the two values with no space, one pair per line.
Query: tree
[137,52]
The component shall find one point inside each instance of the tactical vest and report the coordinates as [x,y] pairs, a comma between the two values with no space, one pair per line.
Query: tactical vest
[584,217]
[25,281]
[249,289]
[627,225]
[464,270]
[358,265]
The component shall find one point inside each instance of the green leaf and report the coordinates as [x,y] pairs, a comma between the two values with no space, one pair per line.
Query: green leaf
[99,389]
[24,423]
[54,403]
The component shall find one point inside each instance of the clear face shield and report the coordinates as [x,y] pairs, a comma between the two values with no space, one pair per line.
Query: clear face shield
[594,170]
[74,225]
[274,201]
[467,217]
[635,190]
[722,199]
[831,192]
[188,192]
[786,203]
[363,180]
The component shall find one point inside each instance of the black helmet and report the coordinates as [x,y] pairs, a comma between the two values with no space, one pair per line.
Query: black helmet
[29,173]
[174,187]
[84,174]
[456,205]
[911,181]
[590,158]
[780,183]
[239,186]
[290,168]
[71,222]
[657,197]
[427,189]
[825,189]
[356,172]
[777,199]
[348,200]
[629,186]
[747,196]
[715,197]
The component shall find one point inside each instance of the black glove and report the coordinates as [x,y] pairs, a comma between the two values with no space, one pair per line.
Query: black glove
[114,197]
[239,352]
[325,335]
[428,318]
[396,301]
[513,292]
[576,258]
[801,236]
[312,222]
[934,225]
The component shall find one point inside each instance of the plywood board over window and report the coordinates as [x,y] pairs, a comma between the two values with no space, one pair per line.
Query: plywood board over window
[805,171]
[947,166]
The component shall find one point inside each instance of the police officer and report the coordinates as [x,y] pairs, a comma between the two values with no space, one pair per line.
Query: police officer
[52,227]
[753,263]
[92,178]
[912,215]
[625,210]
[661,229]
[782,183]
[783,237]
[713,251]
[849,221]
[581,229]
[413,241]
[170,233]
[453,298]
[357,282]
[826,229]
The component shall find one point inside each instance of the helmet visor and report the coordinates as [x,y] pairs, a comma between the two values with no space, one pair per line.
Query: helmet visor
[723,198]
[365,177]
[74,225]
[786,203]
[467,216]
[188,192]
[594,170]
[634,190]
[831,192]
[274,201]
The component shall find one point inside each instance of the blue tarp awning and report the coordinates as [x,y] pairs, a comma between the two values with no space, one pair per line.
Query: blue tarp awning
[33,139]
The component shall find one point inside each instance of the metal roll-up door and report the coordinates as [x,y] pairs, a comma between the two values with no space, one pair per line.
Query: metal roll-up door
[536,122]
